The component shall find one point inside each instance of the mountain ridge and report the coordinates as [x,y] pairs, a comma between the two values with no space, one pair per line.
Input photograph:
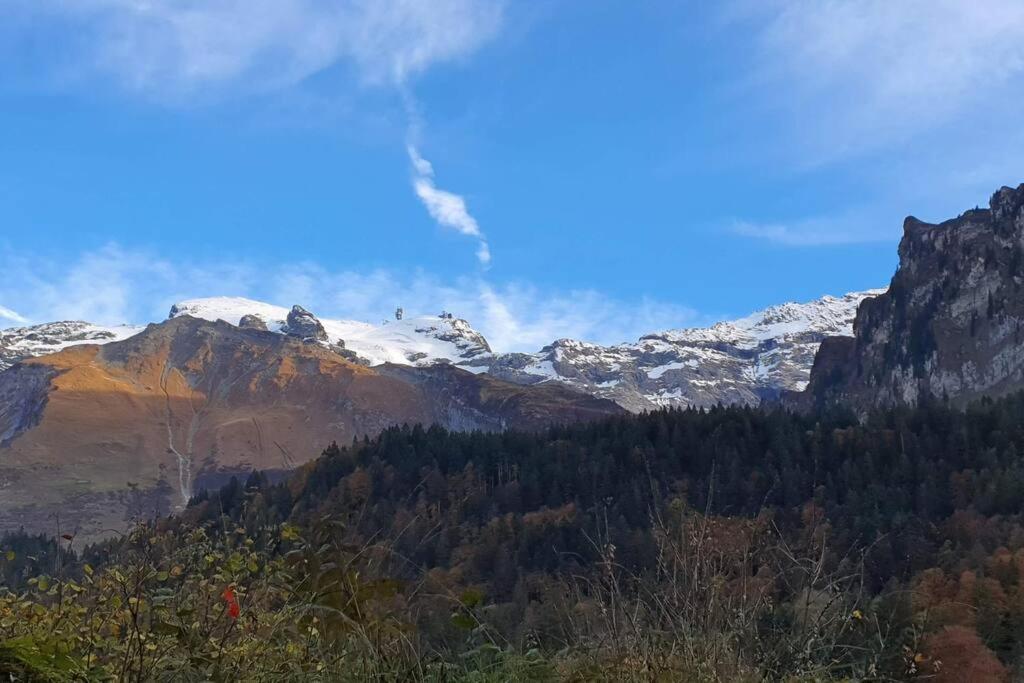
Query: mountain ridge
[739,361]
[100,434]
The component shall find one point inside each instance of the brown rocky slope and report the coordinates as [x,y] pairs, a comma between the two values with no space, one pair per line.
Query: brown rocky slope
[93,436]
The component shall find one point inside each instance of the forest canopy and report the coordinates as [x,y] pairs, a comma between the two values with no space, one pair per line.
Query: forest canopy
[716,544]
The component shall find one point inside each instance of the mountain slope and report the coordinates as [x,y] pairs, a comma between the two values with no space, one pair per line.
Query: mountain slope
[950,325]
[102,433]
[742,361]
[38,340]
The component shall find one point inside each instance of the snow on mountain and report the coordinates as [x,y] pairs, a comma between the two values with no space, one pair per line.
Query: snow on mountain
[421,340]
[739,361]
[38,340]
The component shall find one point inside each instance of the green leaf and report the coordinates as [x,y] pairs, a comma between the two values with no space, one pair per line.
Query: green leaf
[463,621]
[471,597]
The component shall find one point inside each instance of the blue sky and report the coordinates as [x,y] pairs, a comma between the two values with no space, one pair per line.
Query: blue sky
[629,166]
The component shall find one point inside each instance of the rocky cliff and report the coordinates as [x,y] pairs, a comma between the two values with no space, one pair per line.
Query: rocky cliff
[950,324]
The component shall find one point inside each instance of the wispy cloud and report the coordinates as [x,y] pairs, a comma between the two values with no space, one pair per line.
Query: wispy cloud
[168,48]
[447,208]
[115,284]
[861,75]
[819,231]
[7,315]
[172,50]
[109,285]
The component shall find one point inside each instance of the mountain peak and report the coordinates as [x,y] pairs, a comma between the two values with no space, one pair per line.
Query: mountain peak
[414,340]
[189,402]
[737,361]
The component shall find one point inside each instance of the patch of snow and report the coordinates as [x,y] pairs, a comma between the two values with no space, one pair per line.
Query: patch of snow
[657,372]
[421,340]
[38,340]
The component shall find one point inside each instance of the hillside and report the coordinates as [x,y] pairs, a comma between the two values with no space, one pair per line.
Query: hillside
[97,435]
[732,544]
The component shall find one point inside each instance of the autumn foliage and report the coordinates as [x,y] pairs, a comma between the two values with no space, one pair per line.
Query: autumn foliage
[730,544]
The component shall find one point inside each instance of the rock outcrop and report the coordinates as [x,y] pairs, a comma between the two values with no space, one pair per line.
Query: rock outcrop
[304,325]
[950,325]
[252,322]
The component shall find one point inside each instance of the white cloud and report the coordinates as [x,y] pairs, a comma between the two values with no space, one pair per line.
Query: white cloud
[859,75]
[173,47]
[108,285]
[447,208]
[483,253]
[114,284]
[422,167]
[513,316]
[820,231]
[9,315]
[914,102]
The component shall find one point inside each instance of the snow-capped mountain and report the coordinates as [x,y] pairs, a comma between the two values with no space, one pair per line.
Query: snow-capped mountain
[419,341]
[740,361]
[38,340]
[187,403]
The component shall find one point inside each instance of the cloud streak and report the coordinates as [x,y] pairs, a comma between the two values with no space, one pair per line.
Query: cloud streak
[819,231]
[115,285]
[167,48]
[447,208]
[173,49]
[7,314]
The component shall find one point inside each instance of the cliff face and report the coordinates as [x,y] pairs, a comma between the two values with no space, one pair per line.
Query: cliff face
[95,435]
[950,324]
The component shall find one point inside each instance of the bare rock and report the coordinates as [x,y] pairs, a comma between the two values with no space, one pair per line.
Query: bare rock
[252,322]
[303,324]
